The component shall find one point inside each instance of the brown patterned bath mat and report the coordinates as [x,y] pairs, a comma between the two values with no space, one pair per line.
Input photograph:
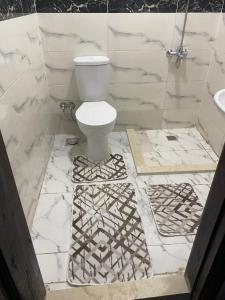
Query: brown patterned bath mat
[176,208]
[108,242]
[89,171]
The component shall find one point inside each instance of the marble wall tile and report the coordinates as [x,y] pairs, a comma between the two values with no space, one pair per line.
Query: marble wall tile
[10,9]
[60,92]
[200,6]
[211,121]
[60,68]
[132,66]
[137,96]
[147,119]
[72,6]
[212,134]
[26,120]
[179,118]
[220,37]
[139,69]
[200,32]
[141,6]
[16,8]
[29,6]
[193,68]
[15,52]
[183,95]
[81,33]
[134,32]
[216,72]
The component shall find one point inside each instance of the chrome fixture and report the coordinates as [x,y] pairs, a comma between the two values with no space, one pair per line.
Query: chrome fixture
[180,53]
[69,106]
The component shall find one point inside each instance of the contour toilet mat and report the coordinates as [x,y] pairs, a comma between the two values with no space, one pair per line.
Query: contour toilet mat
[89,171]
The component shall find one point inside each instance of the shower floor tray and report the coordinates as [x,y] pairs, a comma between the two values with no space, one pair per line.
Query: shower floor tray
[181,150]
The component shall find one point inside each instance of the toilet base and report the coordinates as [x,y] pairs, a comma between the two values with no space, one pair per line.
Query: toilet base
[98,148]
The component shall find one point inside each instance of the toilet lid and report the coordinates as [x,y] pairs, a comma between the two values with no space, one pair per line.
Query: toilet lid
[96,113]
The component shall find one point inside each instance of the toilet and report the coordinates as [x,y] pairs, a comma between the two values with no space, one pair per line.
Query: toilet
[95,117]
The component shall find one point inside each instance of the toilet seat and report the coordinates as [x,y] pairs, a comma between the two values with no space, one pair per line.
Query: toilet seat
[96,113]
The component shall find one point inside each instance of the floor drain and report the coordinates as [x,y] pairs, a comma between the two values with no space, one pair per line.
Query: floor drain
[72,141]
[171,138]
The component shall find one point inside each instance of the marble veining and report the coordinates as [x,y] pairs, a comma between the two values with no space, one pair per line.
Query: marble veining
[135,44]
[16,8]
[133,101]
[73,36]
[141,6]
[50,233]
[206,35]
[200,5]
[51,226]
[29,6]
[12,9]
[143,73]
[141,35]
[71,6]
[26,130]
[7,56]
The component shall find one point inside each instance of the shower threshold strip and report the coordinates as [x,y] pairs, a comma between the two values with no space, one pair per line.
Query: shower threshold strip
[149,166]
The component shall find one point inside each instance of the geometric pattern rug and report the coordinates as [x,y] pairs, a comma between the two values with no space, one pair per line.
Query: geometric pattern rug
[176,208]
[108,242]
[112,168]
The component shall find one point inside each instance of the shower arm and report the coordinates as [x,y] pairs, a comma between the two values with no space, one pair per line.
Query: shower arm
[180,52]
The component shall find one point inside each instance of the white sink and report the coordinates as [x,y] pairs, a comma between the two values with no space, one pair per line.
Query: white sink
[219,98]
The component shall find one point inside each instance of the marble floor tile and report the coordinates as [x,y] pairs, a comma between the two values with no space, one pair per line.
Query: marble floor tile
[58,175]
[185,140]
[62,148]
[212,154]
[202,191]
[174,145]
[186,157]
[118,142]
[51,227]
[52,223]
[202,141]
[169,258]
[130,166]
[53,267]
[192,178]
[58,286]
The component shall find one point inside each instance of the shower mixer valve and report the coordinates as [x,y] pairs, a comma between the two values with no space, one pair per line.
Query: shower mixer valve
[180,53]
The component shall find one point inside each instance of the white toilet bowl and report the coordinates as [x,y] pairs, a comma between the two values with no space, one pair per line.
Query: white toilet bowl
[96,120]
[95,117]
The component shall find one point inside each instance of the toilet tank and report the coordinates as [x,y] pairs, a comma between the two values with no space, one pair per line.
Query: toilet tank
[92,77]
